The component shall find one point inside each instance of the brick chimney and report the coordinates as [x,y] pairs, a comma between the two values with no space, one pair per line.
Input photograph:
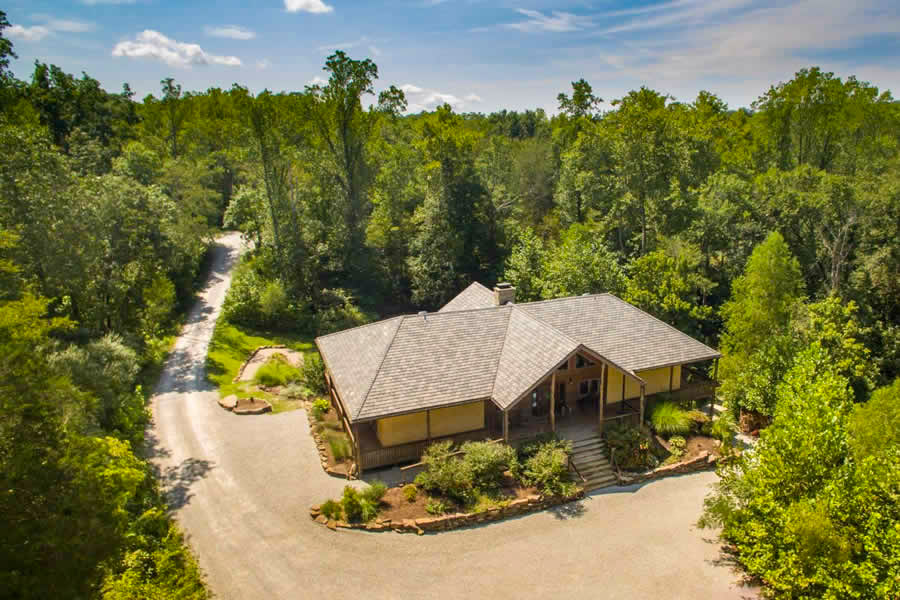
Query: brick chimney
[504,293]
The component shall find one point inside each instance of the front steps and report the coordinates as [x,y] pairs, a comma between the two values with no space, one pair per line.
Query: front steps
[590,457]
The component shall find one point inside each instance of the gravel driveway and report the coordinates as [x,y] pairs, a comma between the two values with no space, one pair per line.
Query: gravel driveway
[241,488]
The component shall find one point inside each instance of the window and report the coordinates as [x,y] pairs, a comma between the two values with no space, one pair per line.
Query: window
[581,362]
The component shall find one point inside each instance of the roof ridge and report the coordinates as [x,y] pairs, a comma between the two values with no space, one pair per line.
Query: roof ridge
[387,349]
[672,327]
[566,298]
[546,324]
[378,322]
[500,354]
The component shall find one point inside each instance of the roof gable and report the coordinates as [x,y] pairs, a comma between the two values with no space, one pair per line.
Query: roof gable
[474,296]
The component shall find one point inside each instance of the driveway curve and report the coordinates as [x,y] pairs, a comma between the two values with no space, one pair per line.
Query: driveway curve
[241,488]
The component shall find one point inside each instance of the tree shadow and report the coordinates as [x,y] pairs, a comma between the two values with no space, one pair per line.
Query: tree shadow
[177,480]
[569,510]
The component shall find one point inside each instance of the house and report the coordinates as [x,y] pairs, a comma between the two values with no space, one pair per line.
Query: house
[484,366]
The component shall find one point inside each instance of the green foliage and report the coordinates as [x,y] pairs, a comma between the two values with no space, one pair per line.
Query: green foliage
[257,300]
[340,447]
[277,371]
[699,420]
[677,445]
[487,462]
[410,492]
[524,264]
[351,504]
[668,419]
[874,426]
[332,510]
[630,447]
[320,406]
[802,513]
[723,428]
[368,509]
[436,507]
[375,492]
[581,264]
[313,373]
[337,312]
[547,468]
[446,475]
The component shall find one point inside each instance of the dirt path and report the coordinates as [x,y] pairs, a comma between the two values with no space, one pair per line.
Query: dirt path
[242,486]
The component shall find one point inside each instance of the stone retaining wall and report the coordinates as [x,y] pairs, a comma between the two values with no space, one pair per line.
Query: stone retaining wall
[250,358]
[701,462]
[323,452]
[516,507]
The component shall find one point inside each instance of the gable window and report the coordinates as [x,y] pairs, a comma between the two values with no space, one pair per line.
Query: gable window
[581,362]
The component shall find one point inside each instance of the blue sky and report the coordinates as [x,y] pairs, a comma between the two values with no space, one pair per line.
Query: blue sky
[477,55]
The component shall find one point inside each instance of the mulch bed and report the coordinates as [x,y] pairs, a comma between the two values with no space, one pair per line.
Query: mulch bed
[697,444]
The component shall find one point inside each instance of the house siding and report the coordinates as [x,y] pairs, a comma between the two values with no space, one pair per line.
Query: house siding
[657,381]
[413,427]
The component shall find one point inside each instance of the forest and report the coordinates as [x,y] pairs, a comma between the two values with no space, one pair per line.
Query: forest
[770,232]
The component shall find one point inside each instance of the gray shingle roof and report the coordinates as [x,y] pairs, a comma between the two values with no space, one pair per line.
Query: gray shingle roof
[458,355]
[474,296]
[620,332]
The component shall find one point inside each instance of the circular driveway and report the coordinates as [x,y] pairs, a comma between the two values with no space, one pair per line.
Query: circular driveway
[242,486]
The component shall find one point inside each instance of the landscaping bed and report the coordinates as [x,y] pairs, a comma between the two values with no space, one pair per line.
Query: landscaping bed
[479,482]
[332,443]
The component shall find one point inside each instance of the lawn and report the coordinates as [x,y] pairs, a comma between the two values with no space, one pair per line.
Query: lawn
[231,346]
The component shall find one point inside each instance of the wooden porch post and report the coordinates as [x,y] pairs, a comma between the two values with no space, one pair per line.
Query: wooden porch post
[427,426]
[716,370]
[602,407]
[553,402]
[671,375]
[622,399]
[358,457]
[505,426]
[641,424]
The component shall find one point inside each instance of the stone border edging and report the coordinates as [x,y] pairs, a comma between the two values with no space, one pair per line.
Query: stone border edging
[243,366]
[323,452]
[230,402]
[701,462]
[519,506]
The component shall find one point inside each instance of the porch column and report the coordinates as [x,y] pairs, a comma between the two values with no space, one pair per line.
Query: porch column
[712,400]
[553,402]
[427,426]
[505,426]
[671,375]
[602,407]
[622,402]
[357,453]
[641,424]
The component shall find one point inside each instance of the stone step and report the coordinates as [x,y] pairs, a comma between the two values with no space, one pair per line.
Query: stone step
[588,443]
[595,473]
[596,484]
[590,462]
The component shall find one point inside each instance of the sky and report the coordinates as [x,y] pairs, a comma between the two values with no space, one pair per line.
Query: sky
[476,55]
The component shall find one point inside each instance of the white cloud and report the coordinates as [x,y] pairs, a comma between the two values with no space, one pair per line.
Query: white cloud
[153,44]
[310,6]
[555,22]
[29,34]
[317,81]
[48,26]
[233,32]
[375,50]
[263,64]
[419,99]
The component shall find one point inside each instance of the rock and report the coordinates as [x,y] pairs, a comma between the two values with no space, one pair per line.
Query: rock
[331,524]
[228,402]
[321,519]
[420,532]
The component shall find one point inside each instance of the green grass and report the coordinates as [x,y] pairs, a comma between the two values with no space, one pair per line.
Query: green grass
[277,371]
[232,345]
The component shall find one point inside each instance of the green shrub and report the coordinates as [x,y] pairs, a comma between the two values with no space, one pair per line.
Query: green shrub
[368,510]
[375,492]
[706,428]
[313,373]
[697,419]
[340,447]
[433,506]
[668,419]
[446,475]
[256,299]
[336,312]
[677,445]
[273,300]
[332,509]
[320,406]
[631,448]
[723,428]
[487,462]
[548,469]
[351,505]
[410,492]
[295,390]
[277,371]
